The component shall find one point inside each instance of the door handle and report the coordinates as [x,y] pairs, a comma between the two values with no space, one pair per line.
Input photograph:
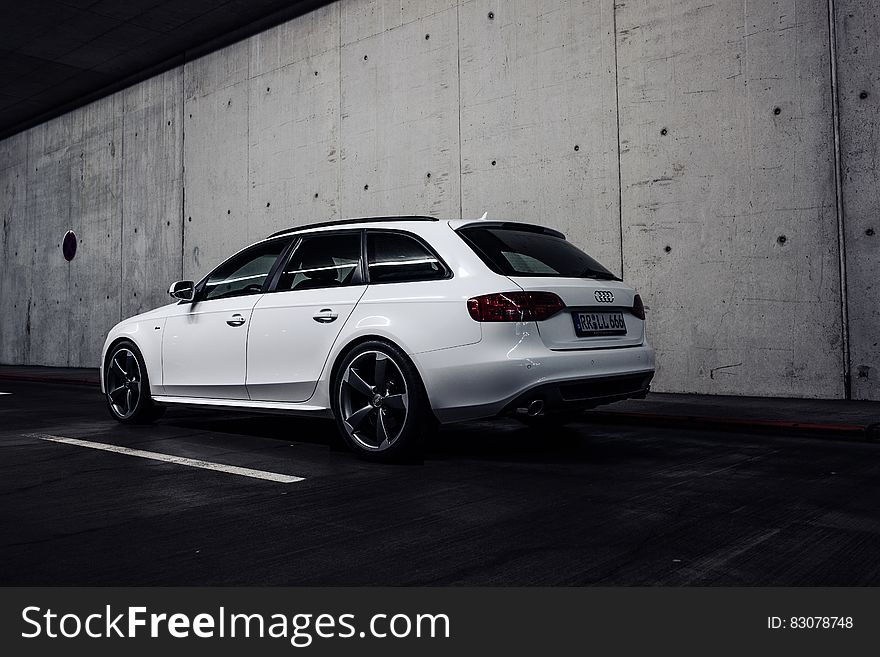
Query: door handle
[235,320]
[325,316]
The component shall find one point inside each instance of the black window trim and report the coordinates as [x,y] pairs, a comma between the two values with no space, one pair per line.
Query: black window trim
[359,277]
[447,271]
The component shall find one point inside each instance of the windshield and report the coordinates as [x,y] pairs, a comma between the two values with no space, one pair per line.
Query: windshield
[527,251]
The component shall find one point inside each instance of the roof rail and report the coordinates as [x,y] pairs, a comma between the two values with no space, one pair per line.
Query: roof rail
[362,220]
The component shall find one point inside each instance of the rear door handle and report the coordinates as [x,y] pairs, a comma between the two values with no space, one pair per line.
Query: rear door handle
[235,320]
[325,316]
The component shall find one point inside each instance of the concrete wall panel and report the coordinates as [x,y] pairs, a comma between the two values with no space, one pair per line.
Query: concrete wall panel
[215,156]
[293,125]
[50,149]
[95,211]
[16,250]
[362,19]
[152,192]
[538,118]
[399,118]
[310,35]
[858,51]
[729,219]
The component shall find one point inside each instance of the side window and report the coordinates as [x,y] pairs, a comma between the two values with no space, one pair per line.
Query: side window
[244,274]
[395,258]
[321,260]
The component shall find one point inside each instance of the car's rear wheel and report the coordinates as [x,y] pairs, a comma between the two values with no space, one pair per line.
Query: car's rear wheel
[380,405]
[127,386]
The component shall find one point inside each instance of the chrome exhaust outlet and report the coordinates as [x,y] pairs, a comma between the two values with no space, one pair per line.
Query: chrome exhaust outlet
[532,409]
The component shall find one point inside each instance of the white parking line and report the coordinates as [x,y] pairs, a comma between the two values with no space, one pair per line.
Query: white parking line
[167,458]
[5,393]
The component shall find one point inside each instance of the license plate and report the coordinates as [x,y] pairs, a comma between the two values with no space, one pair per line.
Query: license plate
[590,324]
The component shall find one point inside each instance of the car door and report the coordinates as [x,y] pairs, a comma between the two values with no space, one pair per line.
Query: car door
[204,348]
[295,325]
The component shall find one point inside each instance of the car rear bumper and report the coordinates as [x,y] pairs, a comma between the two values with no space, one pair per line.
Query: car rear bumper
[582,394]
[500,373]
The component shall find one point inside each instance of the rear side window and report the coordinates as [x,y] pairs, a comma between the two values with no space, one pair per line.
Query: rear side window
[531,252]
[397,258]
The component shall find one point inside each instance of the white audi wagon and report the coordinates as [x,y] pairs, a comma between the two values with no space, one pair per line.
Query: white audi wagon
[390,325]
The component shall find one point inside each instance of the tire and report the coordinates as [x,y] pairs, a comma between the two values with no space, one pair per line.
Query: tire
[127,386]
[381,408]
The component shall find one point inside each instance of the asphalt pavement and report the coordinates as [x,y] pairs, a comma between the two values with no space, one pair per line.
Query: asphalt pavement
[217,498]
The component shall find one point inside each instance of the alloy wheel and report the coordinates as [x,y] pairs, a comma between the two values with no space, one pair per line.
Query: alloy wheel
[373,400]
[124,383]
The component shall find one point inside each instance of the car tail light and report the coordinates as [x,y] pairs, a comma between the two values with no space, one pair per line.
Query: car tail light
[638,307]
[514,306]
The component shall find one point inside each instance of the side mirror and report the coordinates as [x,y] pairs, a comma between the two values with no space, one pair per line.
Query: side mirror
[182,290]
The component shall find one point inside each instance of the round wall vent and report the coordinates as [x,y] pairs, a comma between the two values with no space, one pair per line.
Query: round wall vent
[68,246]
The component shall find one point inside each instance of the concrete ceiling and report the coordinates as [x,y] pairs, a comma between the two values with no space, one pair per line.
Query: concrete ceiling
[56,55]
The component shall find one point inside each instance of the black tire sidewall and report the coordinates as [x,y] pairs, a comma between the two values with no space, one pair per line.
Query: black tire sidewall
[418,420]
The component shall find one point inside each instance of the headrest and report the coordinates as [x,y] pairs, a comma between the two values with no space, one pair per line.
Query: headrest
[319,267]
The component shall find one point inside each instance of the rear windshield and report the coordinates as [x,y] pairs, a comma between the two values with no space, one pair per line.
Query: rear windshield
[531,252]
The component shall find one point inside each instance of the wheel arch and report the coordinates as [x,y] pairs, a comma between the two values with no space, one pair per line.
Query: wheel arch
[359,340]
[109,350]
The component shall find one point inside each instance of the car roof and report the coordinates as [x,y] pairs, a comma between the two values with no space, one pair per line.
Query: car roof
[455,224]
[350,222]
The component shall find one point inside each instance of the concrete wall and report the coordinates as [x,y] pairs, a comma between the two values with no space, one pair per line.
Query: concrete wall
[858,85]
[689,146]
[729,211]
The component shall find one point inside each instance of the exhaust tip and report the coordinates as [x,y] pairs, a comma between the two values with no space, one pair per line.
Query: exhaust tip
[535,407]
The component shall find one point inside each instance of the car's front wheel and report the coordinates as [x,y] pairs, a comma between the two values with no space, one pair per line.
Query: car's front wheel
[127,386]
[381,408]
